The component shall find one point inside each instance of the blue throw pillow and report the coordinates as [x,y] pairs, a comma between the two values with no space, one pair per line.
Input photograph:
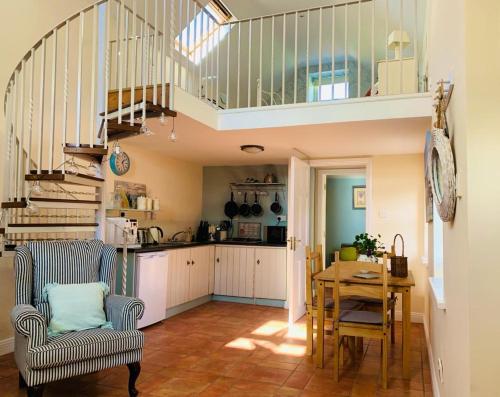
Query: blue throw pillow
[76,307]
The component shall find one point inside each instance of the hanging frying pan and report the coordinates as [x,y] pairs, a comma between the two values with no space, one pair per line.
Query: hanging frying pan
[256,207]
[276,206]
[245,208]
[231,208]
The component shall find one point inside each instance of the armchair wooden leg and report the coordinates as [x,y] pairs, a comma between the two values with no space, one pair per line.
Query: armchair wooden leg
[134,371]
[22,383]
[35,391]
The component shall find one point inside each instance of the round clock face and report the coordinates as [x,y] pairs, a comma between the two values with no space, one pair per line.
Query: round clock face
[119,163]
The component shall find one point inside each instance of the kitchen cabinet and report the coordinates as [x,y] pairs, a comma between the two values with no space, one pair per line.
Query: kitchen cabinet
[250,272]
[233,271]
[270,273]
[188,275]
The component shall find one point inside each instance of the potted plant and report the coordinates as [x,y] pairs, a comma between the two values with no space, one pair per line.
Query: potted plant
[367,247]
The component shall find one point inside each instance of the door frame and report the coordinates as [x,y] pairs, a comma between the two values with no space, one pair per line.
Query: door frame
[341,166]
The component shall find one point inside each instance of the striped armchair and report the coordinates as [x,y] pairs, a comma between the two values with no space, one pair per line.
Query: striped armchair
[42,359]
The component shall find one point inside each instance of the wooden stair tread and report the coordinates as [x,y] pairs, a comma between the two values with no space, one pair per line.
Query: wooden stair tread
[97,152]
[52,224]
[113,96]
[57,175]
[22,203]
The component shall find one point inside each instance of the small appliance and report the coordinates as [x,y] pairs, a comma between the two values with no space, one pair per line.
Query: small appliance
[121,231]
[155,234]
[276,234]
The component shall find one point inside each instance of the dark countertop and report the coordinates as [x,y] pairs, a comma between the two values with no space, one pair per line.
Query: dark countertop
[170,246]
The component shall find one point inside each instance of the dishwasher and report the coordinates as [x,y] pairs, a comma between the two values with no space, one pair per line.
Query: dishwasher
[151,286]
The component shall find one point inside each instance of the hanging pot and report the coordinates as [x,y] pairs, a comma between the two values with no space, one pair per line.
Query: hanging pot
[276,206]
[256,207]
[245,208]
[231,207]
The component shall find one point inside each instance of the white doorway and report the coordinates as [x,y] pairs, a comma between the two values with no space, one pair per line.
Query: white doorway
[302,224]
[339,216]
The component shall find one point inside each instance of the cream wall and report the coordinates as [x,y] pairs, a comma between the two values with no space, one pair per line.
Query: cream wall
[178,185]
[398,207]
[464,335]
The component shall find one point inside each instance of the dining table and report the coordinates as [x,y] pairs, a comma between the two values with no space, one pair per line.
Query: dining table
[396,285]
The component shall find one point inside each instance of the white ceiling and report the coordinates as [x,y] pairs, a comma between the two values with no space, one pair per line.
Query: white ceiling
[200,144]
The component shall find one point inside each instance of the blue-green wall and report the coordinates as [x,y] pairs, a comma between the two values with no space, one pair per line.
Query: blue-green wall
[216,192]
[342,221]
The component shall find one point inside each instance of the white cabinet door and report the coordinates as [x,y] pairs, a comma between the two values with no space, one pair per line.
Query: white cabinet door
[234,268]
[211,269]
[270,273]
[178,277]
[199,272]
[244,259]
[221,262]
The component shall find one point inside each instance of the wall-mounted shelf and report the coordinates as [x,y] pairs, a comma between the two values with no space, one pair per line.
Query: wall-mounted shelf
[258,186]
[147,213]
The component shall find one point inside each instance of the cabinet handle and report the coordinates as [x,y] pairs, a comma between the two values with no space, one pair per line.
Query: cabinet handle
[188,263]
[217,260]
[192,262]
[258,261]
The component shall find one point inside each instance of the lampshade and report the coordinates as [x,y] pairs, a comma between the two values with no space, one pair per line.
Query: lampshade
[397,41]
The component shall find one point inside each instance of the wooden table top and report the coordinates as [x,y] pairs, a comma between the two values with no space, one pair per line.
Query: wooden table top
[347,276]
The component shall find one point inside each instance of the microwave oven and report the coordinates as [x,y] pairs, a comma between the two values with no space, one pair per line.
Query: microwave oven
[276,234]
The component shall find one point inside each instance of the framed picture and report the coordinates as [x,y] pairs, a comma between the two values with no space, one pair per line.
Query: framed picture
[359,197]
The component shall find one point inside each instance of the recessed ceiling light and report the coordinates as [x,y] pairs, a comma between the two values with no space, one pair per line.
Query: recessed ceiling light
[252,149]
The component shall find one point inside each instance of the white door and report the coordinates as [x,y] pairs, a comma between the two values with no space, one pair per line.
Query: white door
[270,273]
[199,272]
[220,270]
[298,235]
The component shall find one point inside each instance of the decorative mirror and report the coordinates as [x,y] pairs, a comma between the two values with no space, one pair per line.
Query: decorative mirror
[441,162]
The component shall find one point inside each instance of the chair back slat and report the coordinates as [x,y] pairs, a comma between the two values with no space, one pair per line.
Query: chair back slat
[347,269]
[314,265]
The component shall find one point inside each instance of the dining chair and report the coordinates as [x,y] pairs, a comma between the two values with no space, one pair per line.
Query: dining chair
[315,265]
[360,323]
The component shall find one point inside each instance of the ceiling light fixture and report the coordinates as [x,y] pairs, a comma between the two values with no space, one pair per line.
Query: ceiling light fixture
[173,136]
[252,149]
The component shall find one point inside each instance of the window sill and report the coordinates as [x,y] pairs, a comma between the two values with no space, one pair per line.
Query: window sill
[437,288]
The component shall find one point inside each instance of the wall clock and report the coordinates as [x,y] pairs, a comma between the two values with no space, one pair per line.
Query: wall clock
[119,163]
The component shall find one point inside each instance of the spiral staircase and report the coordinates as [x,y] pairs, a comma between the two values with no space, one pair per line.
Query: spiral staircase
[91,80]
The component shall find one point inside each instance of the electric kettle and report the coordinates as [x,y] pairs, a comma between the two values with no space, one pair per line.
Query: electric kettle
[155,234]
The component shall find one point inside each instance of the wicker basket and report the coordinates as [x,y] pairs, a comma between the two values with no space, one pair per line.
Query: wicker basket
[399,264]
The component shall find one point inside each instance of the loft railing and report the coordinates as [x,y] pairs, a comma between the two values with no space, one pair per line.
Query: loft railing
[340,51]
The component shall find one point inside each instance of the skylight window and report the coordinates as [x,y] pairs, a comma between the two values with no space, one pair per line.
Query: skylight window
[201,36]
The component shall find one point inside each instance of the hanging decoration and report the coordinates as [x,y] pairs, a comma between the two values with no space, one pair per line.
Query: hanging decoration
[441,161]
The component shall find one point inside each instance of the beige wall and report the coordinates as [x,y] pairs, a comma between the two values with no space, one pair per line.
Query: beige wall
[23,24]
[398,207]
[464,335]
[178,185]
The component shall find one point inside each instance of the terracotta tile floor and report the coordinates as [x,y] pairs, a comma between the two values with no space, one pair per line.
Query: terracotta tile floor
[227,349]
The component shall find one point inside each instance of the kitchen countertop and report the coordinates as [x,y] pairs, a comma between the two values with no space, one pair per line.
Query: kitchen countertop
[171,245]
